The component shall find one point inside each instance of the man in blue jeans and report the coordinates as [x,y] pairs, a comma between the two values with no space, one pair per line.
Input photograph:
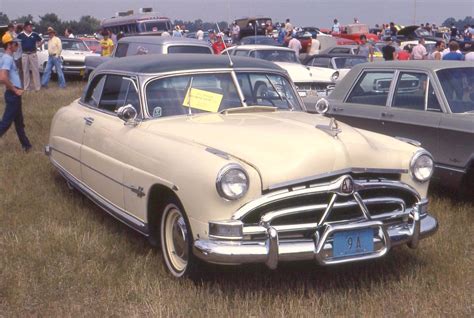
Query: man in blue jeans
[54,59]
[11,79]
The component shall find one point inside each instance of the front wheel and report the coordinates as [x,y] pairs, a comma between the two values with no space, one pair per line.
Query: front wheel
[176,241]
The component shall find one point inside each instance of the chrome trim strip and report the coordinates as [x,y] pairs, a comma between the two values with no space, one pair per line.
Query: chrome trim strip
[334,173]
[441,166]
[103,203]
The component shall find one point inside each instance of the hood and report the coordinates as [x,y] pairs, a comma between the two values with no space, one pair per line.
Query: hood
[409,30]
[284,145]
[77,55]
[302,73]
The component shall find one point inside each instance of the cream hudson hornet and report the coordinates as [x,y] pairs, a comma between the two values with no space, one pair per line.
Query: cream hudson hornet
[216,160]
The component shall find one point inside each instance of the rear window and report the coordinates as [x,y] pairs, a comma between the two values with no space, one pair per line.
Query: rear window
[189,49]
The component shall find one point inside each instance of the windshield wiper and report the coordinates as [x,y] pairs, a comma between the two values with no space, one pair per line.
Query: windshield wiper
[278,93]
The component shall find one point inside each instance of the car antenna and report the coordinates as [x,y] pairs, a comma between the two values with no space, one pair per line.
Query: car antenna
[231,64]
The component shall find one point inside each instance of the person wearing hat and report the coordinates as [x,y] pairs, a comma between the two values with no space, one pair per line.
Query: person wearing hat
[54,60]
[11,79]
[389,52]
[10,34]
[29,59]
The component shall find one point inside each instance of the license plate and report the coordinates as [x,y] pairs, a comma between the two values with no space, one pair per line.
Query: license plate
[354,242]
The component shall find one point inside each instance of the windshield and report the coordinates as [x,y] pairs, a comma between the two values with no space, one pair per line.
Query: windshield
[257,40]
[154,26]
[348,62]
[275,55]
[199,93]
[72,45]
[458,87]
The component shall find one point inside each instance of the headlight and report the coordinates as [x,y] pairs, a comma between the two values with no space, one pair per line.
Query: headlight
[322,106]
[334,76]
[422,166]
[232,182]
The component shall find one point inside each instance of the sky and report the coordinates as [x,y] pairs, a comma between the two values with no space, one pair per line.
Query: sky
[318,13]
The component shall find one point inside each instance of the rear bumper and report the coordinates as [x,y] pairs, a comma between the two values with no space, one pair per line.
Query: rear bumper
[318,248]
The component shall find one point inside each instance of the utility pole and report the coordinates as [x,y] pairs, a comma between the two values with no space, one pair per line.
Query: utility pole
[414,13]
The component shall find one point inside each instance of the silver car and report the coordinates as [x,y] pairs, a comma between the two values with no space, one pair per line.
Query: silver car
[428,102]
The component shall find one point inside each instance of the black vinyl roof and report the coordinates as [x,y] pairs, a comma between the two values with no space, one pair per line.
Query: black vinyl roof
[160,63]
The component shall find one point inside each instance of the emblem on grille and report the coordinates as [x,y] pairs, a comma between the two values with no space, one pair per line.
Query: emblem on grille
[347,186]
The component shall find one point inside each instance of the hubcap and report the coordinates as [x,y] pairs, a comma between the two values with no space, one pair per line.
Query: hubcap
[176,239]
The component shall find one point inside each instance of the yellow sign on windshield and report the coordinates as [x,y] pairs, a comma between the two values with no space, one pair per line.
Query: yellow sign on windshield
[203,100]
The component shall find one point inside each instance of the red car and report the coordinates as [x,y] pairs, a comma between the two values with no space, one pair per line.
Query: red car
[93,44]
[354,31]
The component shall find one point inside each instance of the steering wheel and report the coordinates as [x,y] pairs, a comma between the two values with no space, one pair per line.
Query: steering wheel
[261,92]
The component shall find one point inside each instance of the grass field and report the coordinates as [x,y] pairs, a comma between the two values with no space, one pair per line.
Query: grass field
[61,256]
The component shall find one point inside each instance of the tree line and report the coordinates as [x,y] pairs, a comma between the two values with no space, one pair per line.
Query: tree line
[89,25]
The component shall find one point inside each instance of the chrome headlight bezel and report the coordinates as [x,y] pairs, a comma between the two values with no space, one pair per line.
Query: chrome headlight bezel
[220,178]
[421,155]
[335,76]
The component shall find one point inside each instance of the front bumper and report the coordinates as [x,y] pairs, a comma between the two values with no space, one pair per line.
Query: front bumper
[318,248]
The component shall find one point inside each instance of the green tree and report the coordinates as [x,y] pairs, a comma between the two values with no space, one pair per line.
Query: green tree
[24,18]
[50,20]
[4,19]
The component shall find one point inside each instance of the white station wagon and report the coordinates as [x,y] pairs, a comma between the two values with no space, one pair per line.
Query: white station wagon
[217,161]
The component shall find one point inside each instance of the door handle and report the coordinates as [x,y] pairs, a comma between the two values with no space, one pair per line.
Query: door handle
[338,109]
[89,120]
[387,115]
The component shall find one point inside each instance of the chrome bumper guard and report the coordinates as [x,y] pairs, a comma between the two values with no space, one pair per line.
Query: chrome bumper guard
[232,242]
[319,248]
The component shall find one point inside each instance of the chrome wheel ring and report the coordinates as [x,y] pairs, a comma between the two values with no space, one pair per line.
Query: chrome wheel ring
[174,238]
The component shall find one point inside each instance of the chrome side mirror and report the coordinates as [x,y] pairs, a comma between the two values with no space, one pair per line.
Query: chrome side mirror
[127,113]
[322,106]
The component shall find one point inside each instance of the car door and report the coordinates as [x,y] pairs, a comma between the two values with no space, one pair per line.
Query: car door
[366,101]
[104,150]
[415,111]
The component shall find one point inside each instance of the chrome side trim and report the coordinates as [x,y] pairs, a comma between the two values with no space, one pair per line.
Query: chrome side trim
[108,207]
[335,173]
[441,166]
[132,188]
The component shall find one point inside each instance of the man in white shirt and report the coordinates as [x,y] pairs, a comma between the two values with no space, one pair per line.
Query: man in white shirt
[235,32]
[336,28]
[419,51]
[295,45]
[200,34]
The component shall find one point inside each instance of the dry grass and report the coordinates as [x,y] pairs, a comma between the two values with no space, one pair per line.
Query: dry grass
[62,256]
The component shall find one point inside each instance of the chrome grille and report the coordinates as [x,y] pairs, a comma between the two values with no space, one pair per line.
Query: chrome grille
[297,212]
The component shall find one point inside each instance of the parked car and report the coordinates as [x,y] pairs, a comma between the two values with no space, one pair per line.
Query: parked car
[251,26]
[218,162]
[341,49]
[342,63]
[142,45]
[310,80]
[259,40]
[93,44]
[354,31]
[73,55]
[429,102]
[415,32]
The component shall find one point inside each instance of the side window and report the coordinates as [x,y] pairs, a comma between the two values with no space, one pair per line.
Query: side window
[92,97]
[121,50]
[433,102]
[322,62]
[410,91]
[118,91]
[372,89]
[243,53]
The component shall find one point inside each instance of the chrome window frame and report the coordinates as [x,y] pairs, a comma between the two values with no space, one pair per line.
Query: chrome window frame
[133,77]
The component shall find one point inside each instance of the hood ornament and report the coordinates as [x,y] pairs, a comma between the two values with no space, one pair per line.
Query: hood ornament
[345,186]
[331,129]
